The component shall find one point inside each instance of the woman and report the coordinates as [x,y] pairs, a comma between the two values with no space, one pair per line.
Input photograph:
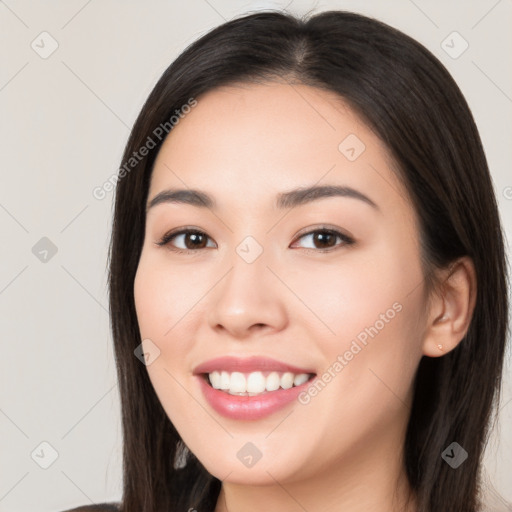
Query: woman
[308,283]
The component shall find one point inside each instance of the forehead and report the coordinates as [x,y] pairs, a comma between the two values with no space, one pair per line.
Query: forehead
[267,138]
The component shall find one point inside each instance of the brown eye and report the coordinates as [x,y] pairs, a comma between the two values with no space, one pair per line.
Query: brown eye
[194,240]
[191,239]
[325,239]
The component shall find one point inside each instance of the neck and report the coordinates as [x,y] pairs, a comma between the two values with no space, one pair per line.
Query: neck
[372,479]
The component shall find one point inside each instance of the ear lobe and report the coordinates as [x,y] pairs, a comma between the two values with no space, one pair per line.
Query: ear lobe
[451,309]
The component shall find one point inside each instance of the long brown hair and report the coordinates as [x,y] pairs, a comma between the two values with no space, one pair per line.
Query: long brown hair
[413,104]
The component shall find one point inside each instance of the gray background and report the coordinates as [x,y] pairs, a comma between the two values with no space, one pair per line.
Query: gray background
[64,122]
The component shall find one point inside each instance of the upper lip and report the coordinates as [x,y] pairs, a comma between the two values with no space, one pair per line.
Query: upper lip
[247,365]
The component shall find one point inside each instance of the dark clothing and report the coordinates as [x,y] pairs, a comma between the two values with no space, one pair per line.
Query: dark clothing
[99,507]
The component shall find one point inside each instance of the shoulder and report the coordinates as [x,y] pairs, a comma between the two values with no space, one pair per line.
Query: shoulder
[99,507]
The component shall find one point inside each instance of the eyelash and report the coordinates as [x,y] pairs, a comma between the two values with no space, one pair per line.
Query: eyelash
[168,237]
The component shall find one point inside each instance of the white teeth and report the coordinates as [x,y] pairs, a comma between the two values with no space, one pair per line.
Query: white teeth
[224,380]
[300,379]
[238,383]
[254,383]
[215,380]
[273,381]
[287,380]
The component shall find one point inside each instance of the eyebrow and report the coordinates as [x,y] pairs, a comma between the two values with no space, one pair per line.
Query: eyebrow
[290,199]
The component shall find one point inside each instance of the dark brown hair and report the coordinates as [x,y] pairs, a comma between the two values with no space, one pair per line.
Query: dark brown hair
[413,104]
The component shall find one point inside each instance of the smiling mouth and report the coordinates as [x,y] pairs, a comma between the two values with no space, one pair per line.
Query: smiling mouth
[255,383]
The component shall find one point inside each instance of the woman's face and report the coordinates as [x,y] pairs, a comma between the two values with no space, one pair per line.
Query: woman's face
[264,278]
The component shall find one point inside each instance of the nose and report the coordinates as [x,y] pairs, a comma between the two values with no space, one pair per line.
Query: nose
[249,299]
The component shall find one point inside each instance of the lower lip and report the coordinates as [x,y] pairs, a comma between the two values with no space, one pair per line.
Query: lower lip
[249,407]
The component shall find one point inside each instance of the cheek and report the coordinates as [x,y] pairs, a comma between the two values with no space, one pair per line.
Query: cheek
[168,301]
[162,298]
[370,304]
[351,293]
[163,294]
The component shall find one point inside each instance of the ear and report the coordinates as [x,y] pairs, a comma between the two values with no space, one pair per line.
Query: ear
[451,308]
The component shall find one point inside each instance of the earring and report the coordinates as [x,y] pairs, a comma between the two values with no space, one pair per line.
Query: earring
[440,347]
[181,457]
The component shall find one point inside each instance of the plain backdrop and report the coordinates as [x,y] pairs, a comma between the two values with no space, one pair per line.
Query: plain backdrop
[73,78]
